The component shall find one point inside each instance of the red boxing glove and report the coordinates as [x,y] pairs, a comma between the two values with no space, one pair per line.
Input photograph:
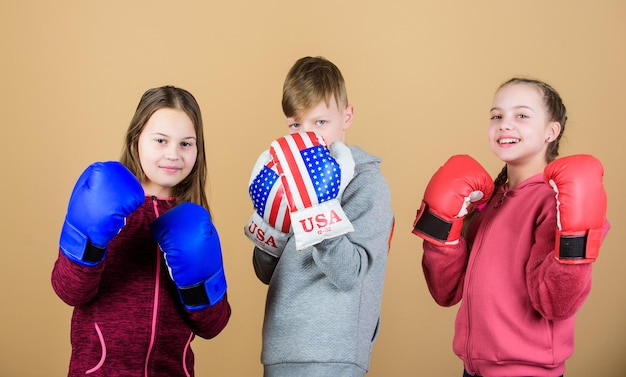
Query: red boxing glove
[580,207]
[458,183]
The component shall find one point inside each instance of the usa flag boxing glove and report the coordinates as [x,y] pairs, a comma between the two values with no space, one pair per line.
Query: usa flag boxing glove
[313,180]
[269,227]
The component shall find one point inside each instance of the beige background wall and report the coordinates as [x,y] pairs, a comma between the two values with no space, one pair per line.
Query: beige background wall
[421,75]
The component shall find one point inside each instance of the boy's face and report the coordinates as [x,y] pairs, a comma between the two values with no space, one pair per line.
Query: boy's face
[329,121]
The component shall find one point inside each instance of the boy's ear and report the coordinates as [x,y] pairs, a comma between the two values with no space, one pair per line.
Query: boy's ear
[348,115]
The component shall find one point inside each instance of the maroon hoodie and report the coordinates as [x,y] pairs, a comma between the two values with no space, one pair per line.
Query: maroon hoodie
[128,319]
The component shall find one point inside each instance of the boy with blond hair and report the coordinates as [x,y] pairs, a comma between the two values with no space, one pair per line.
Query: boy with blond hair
[321,228]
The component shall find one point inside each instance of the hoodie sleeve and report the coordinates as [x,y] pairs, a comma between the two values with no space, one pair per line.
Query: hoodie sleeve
[73,283]
[444,269]
[556,290]
[207,323]
[264,265]
[346,259]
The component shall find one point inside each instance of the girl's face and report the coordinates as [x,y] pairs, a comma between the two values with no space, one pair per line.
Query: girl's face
[520,127]
[167,150]
[329,121]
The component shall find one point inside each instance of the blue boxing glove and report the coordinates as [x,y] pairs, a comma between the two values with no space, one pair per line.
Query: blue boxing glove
[104,195]
[193,254]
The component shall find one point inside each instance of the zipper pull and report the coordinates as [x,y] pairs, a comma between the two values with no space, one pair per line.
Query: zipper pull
[155,204]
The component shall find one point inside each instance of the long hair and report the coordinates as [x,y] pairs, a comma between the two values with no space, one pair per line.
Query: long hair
[192,188]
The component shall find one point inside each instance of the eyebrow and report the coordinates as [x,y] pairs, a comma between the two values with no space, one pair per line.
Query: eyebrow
[515,107]
[165,135]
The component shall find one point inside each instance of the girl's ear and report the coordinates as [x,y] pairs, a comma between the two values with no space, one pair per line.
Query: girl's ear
[554,130]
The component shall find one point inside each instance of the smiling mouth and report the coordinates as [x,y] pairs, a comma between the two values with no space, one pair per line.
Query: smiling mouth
[508,140]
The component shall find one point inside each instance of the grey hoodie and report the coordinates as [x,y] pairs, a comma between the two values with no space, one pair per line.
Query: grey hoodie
[323,303]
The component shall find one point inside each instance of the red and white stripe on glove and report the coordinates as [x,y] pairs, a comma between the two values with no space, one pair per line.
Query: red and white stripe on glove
[313,181]
[269,226]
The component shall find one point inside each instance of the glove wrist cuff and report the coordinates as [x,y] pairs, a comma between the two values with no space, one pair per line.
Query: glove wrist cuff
[76,246]
[266,237]
[578,248]
[204,294]
[314,224]
[437,229]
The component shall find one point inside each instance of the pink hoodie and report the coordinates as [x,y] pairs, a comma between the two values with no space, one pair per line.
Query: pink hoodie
[516,316]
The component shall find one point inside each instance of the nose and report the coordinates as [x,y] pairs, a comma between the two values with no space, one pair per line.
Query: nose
[172,152]
[307,128]
[505,124]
